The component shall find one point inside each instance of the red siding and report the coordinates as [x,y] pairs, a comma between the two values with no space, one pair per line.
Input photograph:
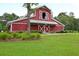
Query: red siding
[37,13]
[34,26]
[19,27]
[57,28]
[51,28]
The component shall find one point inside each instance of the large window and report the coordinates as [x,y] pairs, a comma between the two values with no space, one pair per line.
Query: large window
[43,15]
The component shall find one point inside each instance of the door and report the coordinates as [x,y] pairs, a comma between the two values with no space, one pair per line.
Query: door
[44,28]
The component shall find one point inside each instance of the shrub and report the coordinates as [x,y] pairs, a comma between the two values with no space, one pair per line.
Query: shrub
[38,36]
[5,36]
[62,31]
[24,36]
[35,31]
[35,36]
[68,31]
[28,36]
[19,35]
[16,35]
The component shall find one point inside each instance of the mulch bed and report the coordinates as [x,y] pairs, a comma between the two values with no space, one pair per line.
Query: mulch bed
[10,40]
[15,40]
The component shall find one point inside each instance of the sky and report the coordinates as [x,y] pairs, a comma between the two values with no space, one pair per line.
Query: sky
[55,6]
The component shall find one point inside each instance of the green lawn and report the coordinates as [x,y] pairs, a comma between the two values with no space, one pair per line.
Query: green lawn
[49,45]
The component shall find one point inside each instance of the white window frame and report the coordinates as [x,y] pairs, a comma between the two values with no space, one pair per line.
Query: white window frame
[40,15]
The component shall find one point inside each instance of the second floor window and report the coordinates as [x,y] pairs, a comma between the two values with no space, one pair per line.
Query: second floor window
[43,15]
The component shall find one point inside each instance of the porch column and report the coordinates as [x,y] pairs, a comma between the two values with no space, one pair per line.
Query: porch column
[11,28]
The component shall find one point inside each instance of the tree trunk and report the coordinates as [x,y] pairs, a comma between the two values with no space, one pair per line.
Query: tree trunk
[28,17]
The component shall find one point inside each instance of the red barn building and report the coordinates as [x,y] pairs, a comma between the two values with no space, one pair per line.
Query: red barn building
[41,20]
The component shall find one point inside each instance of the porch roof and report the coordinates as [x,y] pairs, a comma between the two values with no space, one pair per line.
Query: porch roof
[42,22]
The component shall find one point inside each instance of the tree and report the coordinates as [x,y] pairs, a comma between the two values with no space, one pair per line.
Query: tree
[71,14]
[29,11]
[9,17]
[14,16]
[5,18]
[62,14]
[69,21]
[2,26]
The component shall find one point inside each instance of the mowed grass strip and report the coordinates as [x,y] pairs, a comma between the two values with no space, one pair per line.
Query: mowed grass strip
[65,44]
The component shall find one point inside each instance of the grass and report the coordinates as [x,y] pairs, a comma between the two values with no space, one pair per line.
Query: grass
[65,44]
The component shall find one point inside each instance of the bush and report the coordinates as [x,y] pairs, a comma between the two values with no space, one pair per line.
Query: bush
[35,31]
[5,36]
[62,31]
[35,36]
[68,31]
[23,36]
[28,36]
[16,35]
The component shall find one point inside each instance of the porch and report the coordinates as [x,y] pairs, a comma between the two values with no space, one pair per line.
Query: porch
[42,26]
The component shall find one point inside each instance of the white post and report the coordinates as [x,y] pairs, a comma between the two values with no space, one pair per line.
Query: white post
[11,28]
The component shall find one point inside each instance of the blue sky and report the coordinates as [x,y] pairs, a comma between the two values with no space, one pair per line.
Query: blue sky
[55,7]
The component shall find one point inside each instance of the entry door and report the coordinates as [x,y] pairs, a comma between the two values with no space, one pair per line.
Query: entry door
[47,28]
[41,28]
[44,28]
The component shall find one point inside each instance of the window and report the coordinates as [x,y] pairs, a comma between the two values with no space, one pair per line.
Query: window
[43,15]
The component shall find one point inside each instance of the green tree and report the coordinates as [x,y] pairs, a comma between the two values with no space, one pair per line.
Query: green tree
[14,16]
[71,14]
[69,21]
[2,26]
[9,17]
[5,18]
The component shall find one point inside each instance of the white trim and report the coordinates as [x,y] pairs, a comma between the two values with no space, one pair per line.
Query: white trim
[46,16]
[47,28]
[11,28]
[40,15]
[42,22]
[41,28]
[58,22]
[19,23]
[16,20]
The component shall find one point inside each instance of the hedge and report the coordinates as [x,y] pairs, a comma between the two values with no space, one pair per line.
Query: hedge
[22,36]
